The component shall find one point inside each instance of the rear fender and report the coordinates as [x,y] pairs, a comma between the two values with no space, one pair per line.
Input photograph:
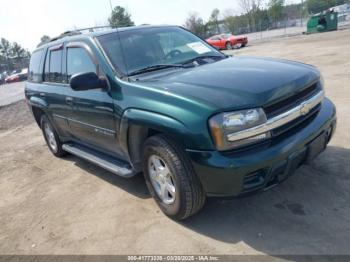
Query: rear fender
[38,102]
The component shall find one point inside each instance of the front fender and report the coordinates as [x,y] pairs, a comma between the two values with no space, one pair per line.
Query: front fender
[152,120]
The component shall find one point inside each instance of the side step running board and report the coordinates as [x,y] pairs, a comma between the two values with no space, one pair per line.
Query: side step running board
[109,163]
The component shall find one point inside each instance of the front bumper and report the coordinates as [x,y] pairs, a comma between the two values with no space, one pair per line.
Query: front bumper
[226,174]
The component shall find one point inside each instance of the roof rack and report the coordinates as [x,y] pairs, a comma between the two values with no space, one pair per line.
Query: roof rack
[77,32]
[93,29]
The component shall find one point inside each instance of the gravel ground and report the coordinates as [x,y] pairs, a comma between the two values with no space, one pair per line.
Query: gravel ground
[15,115]
[11,93]
[68,206]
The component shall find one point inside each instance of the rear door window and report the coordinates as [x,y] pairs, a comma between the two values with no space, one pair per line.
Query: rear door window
[53,66]
[55,74]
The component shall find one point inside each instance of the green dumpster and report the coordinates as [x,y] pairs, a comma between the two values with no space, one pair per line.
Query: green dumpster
[323,22]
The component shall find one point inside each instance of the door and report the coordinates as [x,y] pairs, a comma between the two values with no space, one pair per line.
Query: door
[216,41]
[53,90]
[92,122]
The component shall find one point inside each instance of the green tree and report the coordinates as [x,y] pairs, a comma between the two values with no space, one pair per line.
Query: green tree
[214,20]
[5,48]
[275,10]
[45,39]
[251,9]
[196,25]
[17,51]
[120,18]
[235,23]
[27,53]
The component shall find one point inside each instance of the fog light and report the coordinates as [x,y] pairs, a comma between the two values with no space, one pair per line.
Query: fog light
[253,138]
[250,140]
[258,137]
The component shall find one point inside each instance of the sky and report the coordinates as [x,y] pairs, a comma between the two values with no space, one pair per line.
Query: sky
[26,21]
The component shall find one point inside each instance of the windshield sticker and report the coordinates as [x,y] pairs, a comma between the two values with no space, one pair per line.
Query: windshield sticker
[199,47]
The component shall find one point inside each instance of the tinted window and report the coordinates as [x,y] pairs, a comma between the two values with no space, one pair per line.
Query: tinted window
[53,67]
[79,61]
[113,49]
[34,74]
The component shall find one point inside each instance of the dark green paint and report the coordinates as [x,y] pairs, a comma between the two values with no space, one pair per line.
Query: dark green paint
[179,102]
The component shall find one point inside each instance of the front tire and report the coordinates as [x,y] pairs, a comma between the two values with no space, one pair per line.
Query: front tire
[171,179]
[51,137]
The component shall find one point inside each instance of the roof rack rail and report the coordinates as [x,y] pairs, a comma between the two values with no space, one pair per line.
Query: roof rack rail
[77,32]
[93,29]
[67,33]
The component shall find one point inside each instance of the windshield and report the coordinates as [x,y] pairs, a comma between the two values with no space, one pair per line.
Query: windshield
[134,50]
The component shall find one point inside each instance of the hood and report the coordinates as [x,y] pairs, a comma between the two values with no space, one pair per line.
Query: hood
[237,82]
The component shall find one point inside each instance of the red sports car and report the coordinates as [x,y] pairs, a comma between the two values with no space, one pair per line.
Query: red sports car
[227,41]
[19,75]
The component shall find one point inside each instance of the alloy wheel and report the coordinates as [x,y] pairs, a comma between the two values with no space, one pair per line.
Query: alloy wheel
[162,180]
[50,136]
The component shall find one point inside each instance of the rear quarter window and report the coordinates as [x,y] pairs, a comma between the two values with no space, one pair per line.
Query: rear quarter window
[34,73]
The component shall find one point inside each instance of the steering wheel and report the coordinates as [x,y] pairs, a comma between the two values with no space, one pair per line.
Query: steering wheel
[173,53]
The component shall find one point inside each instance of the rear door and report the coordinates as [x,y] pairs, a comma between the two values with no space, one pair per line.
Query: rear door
[92,122]
[53,90]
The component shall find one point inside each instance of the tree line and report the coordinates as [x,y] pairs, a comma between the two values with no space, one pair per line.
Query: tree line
[256,15]
[12,55]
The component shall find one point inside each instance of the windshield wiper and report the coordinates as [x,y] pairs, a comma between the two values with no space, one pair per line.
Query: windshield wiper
[154,68]
[201,58]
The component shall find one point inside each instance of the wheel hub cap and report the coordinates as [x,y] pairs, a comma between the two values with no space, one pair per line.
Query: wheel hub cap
[162,180]
[50,136]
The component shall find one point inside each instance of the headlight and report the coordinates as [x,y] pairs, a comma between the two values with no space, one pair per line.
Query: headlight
[224,124]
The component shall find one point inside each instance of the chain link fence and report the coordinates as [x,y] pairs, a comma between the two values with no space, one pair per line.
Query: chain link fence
[294,22]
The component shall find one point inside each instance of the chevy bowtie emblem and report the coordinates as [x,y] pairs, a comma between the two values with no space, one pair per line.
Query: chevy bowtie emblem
[305,109]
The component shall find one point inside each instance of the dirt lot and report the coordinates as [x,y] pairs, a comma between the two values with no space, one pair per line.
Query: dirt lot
[11,93]
[68,206]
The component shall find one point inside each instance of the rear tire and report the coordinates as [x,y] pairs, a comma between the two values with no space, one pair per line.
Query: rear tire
[166,162]
[51,137]
[229,46]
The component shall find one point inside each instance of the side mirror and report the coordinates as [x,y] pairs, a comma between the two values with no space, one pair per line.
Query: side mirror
[87,81]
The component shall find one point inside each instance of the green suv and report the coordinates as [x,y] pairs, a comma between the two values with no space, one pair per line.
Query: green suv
[196,122]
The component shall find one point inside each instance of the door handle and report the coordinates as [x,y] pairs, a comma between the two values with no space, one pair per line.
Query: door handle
[42,95]
[69,100]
